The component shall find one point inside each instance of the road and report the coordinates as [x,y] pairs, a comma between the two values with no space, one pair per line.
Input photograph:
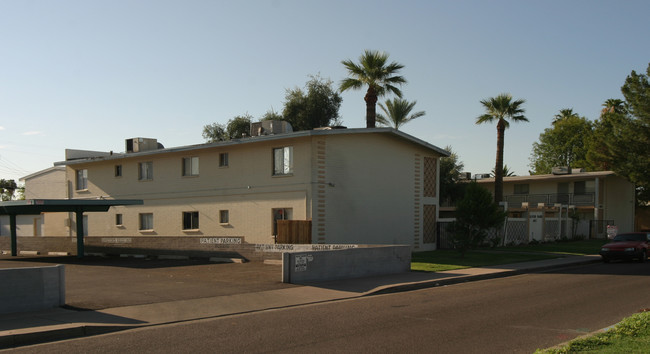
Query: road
[509,315]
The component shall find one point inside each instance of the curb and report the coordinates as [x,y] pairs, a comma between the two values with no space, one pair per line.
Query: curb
[390,289]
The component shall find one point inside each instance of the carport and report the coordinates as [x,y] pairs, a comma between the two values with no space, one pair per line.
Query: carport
[77,206]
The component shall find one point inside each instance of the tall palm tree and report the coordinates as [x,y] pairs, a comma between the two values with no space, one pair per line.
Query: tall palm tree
[380,77]
[565,114]
[613,105]
[398,112]
[501,109]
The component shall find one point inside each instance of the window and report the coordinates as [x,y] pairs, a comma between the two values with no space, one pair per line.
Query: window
[584,187]
[82,179]
[522,188]
[283,161]
[223,159]
[118,170]
[145,171]
[146,221]
[191,220]
[118,220]
[191,166]
[224,216]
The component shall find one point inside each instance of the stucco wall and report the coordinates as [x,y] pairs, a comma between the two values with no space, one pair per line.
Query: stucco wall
[372,196]
[246,188]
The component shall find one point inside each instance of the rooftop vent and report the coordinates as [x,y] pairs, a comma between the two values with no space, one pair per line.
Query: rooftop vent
[269,127]
[141,144]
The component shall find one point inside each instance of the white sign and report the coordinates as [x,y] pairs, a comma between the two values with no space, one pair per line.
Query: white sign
[221,240]
[301,262]
[612,230]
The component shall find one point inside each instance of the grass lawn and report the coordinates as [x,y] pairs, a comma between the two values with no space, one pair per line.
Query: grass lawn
[632,335]
[441,260]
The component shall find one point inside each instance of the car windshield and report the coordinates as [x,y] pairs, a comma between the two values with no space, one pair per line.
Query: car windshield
[630,237]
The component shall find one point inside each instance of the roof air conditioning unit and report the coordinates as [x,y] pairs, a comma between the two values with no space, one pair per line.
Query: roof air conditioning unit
[269,127]
[141,144]
[560,170]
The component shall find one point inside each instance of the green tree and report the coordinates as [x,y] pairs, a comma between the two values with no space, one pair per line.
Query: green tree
[214,132]
[316,106]
[7,189]
[451,187]
[272,115]
[501,109]
[564,144]
[614,105]
[506,171]
[565,114]
[239,126]
[476,214]
[374,71]
[398,112]
[606,145]
[635,167]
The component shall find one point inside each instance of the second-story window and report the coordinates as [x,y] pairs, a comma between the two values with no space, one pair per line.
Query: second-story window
[521,188]
[283,161]
[145,171]
[82,180]
[191,166]
[223,159]
[118,170]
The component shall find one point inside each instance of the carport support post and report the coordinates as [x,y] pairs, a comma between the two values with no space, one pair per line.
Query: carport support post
[80,233]
[12,227]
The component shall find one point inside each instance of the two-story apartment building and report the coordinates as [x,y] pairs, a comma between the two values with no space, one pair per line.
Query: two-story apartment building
[365,186]
[568,204]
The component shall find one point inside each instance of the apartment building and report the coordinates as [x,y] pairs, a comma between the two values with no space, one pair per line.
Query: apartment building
[364,186]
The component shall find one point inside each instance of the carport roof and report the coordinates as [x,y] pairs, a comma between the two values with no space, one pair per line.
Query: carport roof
[37,206]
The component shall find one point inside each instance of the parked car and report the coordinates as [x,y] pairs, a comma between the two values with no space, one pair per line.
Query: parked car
[633,245]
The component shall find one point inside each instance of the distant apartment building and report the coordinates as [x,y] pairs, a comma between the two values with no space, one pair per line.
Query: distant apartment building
[364,186]
[566,203]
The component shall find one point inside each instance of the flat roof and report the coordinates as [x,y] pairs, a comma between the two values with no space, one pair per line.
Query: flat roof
[550,177]
[37,206]
[270,137]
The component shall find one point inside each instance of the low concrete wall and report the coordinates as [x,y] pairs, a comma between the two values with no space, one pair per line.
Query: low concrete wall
[317,265]
[32,289]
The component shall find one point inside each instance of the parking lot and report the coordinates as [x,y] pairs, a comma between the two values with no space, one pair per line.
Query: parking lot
[95,283]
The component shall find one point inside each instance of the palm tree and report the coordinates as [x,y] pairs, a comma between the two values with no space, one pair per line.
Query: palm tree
[397,112]
[613,105]
[500,109]
[506,172]
[565,114]
[379,76]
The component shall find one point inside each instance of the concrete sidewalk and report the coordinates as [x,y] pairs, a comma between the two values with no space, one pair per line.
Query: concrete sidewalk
[56,324]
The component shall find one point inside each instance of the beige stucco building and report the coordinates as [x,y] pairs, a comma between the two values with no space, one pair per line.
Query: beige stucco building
[594,199]
[365,186]
[46,184]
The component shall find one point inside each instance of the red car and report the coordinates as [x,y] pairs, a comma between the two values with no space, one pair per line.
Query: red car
[633,245]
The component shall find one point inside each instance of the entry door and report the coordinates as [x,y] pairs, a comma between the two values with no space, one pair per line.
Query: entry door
[535,225]
[37,227]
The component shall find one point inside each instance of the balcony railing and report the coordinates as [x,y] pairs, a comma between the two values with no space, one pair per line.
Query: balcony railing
[516,200]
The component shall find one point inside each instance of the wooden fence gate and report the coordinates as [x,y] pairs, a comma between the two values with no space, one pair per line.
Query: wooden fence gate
[294,231]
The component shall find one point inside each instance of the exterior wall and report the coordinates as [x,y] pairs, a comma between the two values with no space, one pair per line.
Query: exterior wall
[373,195]
[618,202]
[246,188]
[47,184]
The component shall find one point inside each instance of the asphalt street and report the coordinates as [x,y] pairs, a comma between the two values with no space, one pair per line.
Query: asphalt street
[507,315]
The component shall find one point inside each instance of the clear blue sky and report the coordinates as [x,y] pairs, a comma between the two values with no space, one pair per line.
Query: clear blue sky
[88,74]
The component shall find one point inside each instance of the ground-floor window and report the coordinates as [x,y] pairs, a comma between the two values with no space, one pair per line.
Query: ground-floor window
[190,220]
[224,216]
[146,221]
[118,220]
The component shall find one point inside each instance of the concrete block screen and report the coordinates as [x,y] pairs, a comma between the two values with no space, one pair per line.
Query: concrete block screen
[300,267]
[32,289]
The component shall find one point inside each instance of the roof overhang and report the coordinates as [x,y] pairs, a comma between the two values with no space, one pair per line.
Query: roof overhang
[37,206]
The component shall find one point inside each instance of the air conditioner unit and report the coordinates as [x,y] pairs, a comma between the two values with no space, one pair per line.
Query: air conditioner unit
[141,144]
[560,170]
[269,127]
